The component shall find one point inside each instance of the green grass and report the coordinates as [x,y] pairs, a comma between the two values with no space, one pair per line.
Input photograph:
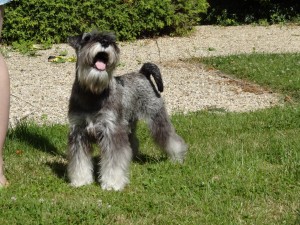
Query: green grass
[241,168]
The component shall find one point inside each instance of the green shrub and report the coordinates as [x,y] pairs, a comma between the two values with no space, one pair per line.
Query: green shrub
[53,21]
[228,12]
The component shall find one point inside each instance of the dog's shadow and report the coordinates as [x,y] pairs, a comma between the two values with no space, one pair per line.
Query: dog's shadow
[59,169]
[147,159]
[33,136]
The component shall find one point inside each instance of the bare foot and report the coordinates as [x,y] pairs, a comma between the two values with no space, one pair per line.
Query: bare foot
[3,181]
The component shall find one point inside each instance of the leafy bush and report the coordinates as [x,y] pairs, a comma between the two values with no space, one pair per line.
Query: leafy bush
[227,12]
[53,21]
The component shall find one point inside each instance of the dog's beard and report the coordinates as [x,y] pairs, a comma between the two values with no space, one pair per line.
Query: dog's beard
[95,81]
[95,67]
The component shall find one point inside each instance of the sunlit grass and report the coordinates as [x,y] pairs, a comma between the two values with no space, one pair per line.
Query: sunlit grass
[277,71]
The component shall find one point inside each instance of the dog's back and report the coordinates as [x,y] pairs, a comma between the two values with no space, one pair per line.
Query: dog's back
[140,96]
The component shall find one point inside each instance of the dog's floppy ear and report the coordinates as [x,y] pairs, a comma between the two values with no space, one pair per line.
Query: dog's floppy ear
[75,41]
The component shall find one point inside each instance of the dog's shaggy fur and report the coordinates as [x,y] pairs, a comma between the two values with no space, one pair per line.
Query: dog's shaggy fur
[105,109]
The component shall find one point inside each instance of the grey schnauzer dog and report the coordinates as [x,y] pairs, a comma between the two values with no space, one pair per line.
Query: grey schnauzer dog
[104,109]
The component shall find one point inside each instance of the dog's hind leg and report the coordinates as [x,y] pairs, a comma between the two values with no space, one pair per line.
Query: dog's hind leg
[116,156]
[165,136]
[134,142]
[80,166]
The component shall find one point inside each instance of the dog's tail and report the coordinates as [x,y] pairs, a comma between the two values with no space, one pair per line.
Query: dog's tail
[150,68]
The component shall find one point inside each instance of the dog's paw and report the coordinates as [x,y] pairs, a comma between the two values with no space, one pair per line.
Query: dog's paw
[176,149]
[79,183]
[114,183]
[112,187]
[177,159]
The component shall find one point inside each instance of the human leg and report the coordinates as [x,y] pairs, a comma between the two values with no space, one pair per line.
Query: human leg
[4,106]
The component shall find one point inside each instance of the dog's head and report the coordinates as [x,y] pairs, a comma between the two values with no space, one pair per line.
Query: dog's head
[97,57]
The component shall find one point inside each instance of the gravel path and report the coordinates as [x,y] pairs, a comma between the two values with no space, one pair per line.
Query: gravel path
[40,90]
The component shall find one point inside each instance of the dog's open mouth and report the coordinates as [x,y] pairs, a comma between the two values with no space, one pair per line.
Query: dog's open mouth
[100,61]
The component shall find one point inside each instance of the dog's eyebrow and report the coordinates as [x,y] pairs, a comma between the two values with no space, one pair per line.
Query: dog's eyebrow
[86,36]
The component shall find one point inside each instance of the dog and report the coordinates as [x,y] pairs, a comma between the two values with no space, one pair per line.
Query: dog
[104,109]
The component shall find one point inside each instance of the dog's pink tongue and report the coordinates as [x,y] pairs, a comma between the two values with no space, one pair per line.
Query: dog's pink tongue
[100,65]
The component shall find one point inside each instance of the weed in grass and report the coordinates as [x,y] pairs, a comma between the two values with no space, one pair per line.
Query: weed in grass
[4,51]
[29,48]
[263,22]
[211,49]
[63,53]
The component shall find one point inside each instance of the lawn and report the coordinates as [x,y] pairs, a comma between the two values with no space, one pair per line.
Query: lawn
[241,168]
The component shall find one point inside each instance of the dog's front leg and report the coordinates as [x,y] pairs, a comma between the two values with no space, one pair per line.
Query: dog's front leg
[80,166]
[116,156]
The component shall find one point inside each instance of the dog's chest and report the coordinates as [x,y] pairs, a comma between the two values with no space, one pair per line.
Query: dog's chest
[91,127]
[87,103]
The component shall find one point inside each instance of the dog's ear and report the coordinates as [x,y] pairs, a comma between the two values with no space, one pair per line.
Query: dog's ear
[74,41]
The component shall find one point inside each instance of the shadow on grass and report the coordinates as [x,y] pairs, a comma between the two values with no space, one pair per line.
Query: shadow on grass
[146,159]
[36,137]
[59,169]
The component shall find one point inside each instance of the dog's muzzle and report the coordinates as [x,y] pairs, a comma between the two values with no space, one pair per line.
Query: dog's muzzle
[100,61]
